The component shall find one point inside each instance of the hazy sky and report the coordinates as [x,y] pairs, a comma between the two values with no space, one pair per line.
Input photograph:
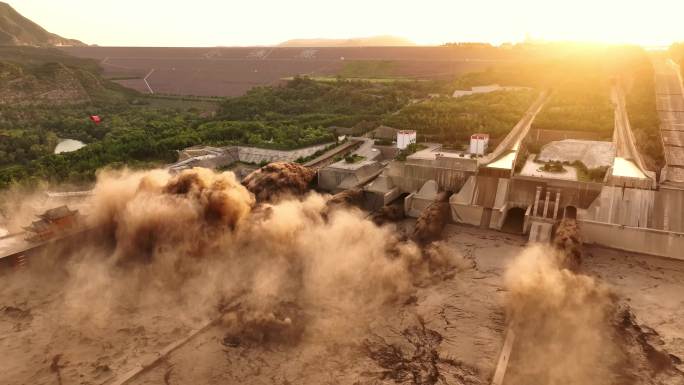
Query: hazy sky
[264,22]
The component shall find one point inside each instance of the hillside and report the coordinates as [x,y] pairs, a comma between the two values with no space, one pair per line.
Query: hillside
[32,76]
[52,83]
[15,29]
[374,41]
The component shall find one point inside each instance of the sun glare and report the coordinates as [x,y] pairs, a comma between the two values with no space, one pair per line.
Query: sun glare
[656,23]
[429,22]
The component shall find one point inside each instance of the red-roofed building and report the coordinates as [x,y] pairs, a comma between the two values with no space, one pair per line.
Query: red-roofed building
[52,223]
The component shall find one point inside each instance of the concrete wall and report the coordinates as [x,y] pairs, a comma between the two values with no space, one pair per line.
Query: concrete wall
[578,194]
[622,206]
[410,177]
[335,179]
[414,206]
[662,209]
[471,215]
[631,182]
[477,194]
[213,157]
[258,155]
[330,178]
[545,136]
[646,241]
[382,191]
[498,217]
[668,211]
[540,231]
[415,203]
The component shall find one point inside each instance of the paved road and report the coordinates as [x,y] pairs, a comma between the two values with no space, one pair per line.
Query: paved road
[670,104]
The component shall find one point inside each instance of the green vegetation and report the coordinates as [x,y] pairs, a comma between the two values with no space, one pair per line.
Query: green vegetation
[334,79]
[451,121]
[139,131]
[577,109]
[519,74]
[34,76]
[342,103]
[410,149]
[375,69]
[580,100]
[585,174]
[580,78]
[383,142]
[553,166]
[642,111]
[354,158]
[318,153]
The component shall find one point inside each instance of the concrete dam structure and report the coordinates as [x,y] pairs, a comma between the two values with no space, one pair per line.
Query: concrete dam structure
[628,209]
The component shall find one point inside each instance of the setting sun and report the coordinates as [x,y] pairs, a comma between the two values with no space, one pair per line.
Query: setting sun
[430,22]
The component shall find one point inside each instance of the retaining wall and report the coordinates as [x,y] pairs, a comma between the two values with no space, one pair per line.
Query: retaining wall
[635,239]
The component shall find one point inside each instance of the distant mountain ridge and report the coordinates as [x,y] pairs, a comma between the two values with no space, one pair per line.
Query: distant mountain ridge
[15,29]
[373,41]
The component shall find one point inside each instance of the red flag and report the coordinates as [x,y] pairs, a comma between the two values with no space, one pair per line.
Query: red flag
[95,118]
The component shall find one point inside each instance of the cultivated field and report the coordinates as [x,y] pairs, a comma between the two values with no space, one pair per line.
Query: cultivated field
[233,71]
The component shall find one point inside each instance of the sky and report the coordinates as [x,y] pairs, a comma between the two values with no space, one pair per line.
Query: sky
[429,22]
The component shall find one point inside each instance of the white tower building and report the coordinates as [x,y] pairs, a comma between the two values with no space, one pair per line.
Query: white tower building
[479,143]
[405,137]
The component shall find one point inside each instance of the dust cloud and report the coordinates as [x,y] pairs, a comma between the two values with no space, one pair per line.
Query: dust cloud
[18,207]
[572,329]
[562,322]
[568,243]
[272,272]
[279,179]
[432,220]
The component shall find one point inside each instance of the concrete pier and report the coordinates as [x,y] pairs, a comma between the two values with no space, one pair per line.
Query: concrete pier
[546,203]
[536,201]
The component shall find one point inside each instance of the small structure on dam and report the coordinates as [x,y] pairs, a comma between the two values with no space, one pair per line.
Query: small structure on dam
[353,170]
[52,223]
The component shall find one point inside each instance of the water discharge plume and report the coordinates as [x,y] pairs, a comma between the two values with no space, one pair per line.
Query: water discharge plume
[153,211]
[432,220]
[568,242]
[390,213]
[279,179]
[346,199]
[277,272]
[571,329]
[562,322]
